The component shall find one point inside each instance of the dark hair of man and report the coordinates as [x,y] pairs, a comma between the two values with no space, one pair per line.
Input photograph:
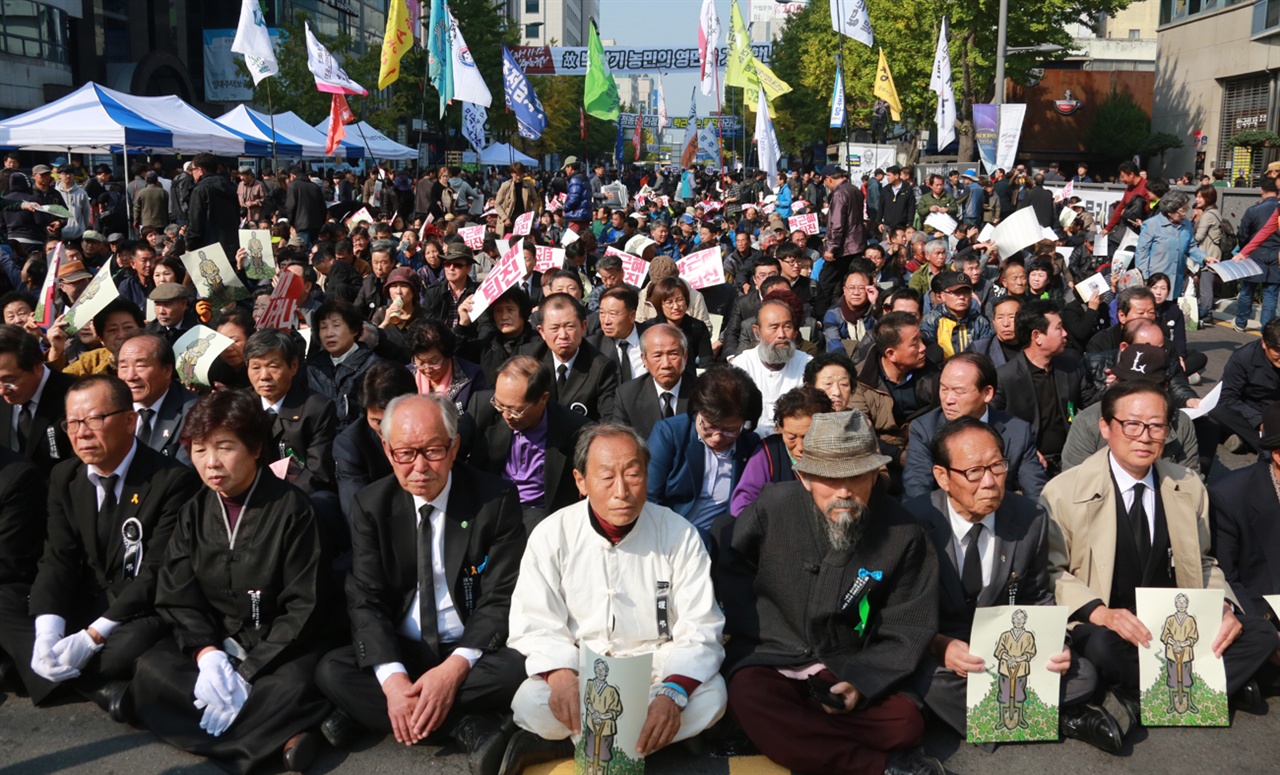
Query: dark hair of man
[1271,334]
[205,162]
[238,317]
[1269,185]
[324,251]
[516,295]
[561,302]
[16,341]
[604,430]
[1005,300]
[384,381]
[724,391]
[1124,299]
[609,263]
[1032,318]
[765,261]
[163,350]
[786,250]
[803,401]
[822,360]
[427,334]
[889,330]
[120,396]
[566,274]
[270,340]
[934,177]
[229,410]
[772,283]
[13,297]
[342,246]
[1128,167]
[629,298]
[904,293]
[940,447]
[344,309]
[1122,389]
[986,369]
[535,373]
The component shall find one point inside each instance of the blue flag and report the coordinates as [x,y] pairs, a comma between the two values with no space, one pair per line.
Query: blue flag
[440,53]
[521,100]
[837,99]
[617,150]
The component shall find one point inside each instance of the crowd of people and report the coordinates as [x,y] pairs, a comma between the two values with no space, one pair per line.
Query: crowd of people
[407,513]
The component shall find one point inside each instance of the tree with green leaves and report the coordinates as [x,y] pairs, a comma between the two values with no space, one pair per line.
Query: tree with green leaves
[1119,128]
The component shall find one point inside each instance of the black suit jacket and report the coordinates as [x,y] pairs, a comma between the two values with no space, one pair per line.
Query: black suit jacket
[47,444]
[306,425]
[592,382]
[1021,547]
[638,405]
[493,444]
[1244,515]
[1025,471]
[22,518]
[384,571]
[609,347]
[166,426]
[359,460]
[81,574]
[1016,394]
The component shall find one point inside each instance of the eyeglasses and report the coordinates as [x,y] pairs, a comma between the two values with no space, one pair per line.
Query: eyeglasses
[975,474]
[507,411]
[1133,429]
[423,363]
[93,422]
[856,288]
[711,430]
[407,455]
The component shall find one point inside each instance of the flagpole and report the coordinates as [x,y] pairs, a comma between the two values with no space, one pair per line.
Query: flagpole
[719,117]
[422,120]
[364,104]
[271,115]
[845,118]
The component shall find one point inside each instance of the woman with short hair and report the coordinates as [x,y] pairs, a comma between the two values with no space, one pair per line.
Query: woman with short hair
[792,414]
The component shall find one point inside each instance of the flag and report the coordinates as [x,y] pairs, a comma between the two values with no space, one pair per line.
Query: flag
[766,141]
[468,84]
[774,87]
[415,21]
[439,57]
[837,98]
[885,89]
[638,140]
[395,41]
[940,84]
[521,99]
[254,42]
[740,68]
[600,92]
[339,115]
[329,75]
[662,105]
[473,120]
[850,17]
[708,36]
[617,150]
[690,143]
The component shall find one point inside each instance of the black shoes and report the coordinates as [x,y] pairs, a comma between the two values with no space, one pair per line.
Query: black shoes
[913,762]
[1249,699]
[114,698]
[300,751]
[527,749]
[1092,725]
[341,730]
[484,738]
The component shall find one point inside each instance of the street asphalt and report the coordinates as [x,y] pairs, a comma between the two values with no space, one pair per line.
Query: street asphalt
[76,737]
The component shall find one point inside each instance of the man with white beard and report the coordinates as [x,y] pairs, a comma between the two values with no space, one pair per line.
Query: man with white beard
[775,365]
[830,597]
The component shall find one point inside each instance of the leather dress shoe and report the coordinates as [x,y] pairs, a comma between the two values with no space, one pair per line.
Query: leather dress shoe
[300,751]
[483,737]
[527,749]
[1249,699]
[913,761]
[115,698]
[1092,725]
[340,729]
[1125,708]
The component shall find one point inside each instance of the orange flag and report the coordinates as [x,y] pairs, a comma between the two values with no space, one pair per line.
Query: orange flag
[339,115]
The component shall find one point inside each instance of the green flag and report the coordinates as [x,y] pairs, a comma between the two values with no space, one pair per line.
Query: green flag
[600,92]
[740,69]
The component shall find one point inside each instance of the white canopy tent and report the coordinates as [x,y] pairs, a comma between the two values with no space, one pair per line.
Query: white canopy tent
[500,154]
[291,124]
[361,132]
[251,123]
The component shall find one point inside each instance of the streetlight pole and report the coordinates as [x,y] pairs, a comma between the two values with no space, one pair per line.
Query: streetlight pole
[1002,34]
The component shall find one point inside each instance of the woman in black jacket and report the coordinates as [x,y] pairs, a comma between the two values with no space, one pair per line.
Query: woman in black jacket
[336,370]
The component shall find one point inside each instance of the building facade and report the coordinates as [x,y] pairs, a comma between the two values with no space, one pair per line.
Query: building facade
[566,22]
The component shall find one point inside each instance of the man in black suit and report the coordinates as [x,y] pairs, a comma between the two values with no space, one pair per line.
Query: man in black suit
[174,315]
[110,515]
[357,451]
[992,548]
[525,438]
[1041,386]
[965,389]
[34,403]
[22,529]
[436,551]
[583,378]
[304,206]
[619,335]
[304,423]
[146,364]
[663,390]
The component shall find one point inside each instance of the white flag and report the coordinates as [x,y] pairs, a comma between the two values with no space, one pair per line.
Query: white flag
[850,17]
[766,141]
[940,84]
[468,85]
[837,99]
[329,75]
[708,37]
[473,120]
[662,104]
[253,40]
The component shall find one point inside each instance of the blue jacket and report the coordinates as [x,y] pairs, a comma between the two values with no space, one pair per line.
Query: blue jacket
[1164,246]
[978,328]
[677,463]
[973,204]
[577,203]
[783,204]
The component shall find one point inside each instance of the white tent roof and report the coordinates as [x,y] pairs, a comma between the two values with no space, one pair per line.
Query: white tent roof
[250,122]
[381,146]
[291,124]
[500,154]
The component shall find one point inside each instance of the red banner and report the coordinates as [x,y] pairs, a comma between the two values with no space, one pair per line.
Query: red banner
[283,304]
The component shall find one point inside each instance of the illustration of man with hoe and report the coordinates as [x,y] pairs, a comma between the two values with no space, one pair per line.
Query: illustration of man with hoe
[1014,650]
[1179,636]
[602,704]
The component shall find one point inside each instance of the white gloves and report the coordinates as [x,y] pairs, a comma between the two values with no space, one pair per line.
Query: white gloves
[220,692]
[44,663]
[75,651]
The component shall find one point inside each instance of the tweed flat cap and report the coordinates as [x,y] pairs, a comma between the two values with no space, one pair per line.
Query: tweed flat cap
[840,445]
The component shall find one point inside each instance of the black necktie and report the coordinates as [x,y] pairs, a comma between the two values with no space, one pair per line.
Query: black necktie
[24,427]
[667,410]
[971,574]
[144,427]
[624,360]
[562,375]
[1138,524]
[107,510]
[426,582]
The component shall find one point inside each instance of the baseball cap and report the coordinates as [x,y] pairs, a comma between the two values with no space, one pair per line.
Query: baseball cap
[950,281]
[1142,363]
[41,169]
[832,171]
[570,160]
[92,236]
[66,169]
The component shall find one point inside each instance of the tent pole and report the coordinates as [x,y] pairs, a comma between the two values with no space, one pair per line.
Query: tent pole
[128,206]
[271,114]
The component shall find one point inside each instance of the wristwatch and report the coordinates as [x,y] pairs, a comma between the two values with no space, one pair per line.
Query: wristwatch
[675,695]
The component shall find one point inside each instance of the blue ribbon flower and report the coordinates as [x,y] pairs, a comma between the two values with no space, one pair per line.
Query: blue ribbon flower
[875,574]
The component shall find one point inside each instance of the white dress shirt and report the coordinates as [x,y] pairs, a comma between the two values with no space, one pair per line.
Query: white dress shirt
[155,409]
[960,528]
[448,623]
[34,401]
[269,407]
[555,359]
[633,352]
[1126,483]
[674,391]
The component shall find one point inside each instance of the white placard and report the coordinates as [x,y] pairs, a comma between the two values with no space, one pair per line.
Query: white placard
[195,352]
[808,223]
[1017,232]
[213,277]
[1207,404]
[634,268]
[1099,244]
[1236,269]
[988,231]
[506,273]
[260,261]
[702,269]
[100,292]
[523,225]
[473,236]
[942,222]
[549,258]
[1048,234]
[1183,682]
[1015,697]
[1087,287]
[569,237]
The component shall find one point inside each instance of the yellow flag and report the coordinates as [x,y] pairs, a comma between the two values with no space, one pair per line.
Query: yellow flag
[396,41]
[885,89]
[740,69]
[774,87]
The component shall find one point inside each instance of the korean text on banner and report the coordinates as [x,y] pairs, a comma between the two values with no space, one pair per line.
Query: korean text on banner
[549,258]
[808,223]
[634,268]
[473,236]
[282,306]
[506,273]
[524,224]
[702,269]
